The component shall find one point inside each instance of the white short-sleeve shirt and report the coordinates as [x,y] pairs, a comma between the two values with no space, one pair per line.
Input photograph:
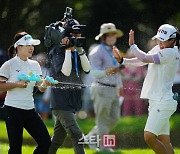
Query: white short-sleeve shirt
[20,97]
[159,79]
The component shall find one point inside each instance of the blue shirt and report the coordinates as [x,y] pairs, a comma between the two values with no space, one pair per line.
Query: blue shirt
[101,58]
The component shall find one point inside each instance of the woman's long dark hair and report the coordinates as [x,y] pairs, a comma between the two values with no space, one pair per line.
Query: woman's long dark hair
[11,50]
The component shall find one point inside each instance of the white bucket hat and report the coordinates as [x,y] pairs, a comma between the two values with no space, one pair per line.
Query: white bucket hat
[27,40]
[165,32]
[108,28]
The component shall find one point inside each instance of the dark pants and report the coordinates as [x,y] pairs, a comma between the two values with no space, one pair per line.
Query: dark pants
[17,119]
[1,110]
[66,124]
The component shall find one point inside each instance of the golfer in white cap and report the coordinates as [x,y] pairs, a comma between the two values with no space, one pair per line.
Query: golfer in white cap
[19,103]
[162,63]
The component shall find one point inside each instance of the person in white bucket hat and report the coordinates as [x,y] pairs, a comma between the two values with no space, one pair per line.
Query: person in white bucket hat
[109,28]
[162,63]
[107,88]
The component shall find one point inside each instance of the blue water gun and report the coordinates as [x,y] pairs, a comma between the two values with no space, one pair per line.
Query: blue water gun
[51,80]
[37,78]
[30,77]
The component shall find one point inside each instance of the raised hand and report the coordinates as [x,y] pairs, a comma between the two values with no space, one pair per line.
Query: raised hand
[117,55]
[131,37]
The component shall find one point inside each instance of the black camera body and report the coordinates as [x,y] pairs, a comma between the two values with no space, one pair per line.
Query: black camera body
[68,26]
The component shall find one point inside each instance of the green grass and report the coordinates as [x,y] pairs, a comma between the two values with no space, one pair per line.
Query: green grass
[129,129]
[29,150]
[125,125]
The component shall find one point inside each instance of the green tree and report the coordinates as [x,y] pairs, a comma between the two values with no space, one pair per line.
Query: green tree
[144,16]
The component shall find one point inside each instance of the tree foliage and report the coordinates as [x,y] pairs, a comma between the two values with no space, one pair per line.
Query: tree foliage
[144,16]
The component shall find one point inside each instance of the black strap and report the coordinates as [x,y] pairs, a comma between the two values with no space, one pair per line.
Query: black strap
[107,85]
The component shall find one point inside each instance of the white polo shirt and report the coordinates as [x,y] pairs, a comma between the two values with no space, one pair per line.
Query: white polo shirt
[159,79]
[20,97]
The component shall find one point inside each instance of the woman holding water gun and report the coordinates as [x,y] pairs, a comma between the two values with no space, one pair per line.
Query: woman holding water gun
[19,102]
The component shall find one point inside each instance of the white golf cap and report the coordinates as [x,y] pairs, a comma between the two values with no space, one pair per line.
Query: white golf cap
[165,32]
[27,40]
[108,28]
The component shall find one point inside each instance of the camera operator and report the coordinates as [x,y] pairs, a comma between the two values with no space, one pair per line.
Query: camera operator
[67,63]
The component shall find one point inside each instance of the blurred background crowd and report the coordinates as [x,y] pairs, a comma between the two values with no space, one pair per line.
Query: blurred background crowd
[144,16]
